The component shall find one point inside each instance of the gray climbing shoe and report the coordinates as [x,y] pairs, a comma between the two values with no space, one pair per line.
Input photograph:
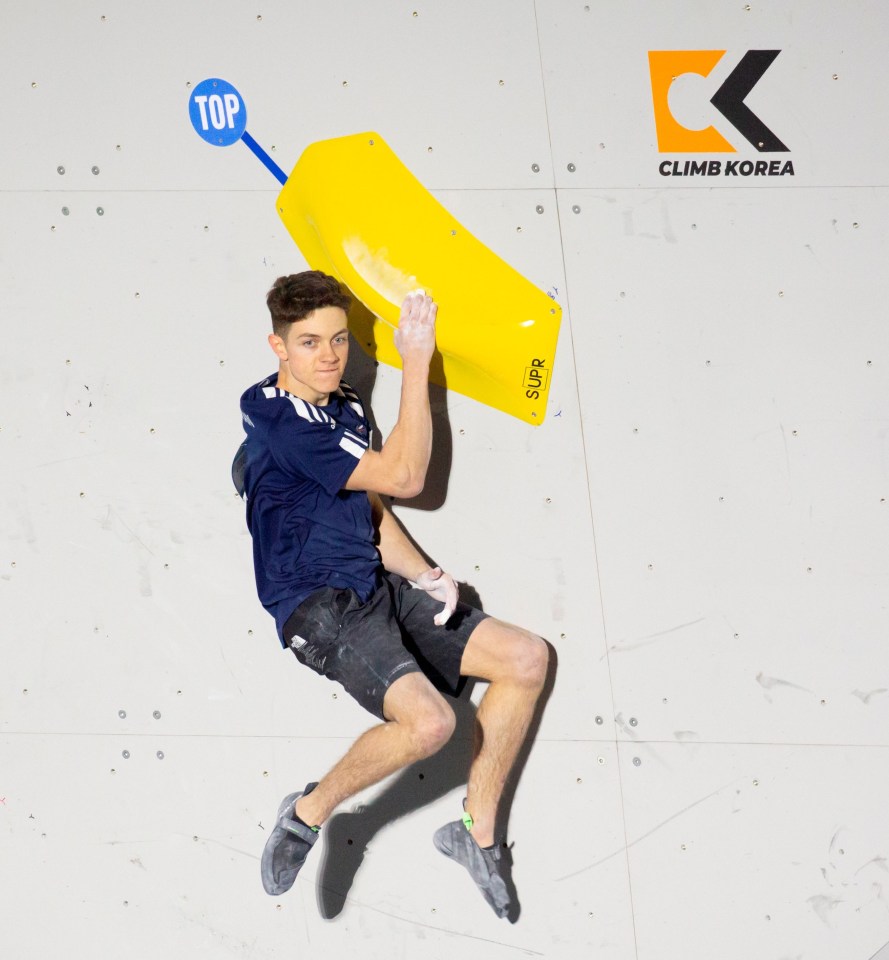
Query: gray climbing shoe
[484,866]
[287,847]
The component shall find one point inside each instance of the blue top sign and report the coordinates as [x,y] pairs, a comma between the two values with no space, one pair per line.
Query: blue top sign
[218,112]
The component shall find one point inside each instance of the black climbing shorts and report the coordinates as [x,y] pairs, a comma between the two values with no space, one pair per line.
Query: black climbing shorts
[366,647]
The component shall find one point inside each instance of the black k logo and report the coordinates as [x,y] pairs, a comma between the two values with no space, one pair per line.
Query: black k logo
[729,100]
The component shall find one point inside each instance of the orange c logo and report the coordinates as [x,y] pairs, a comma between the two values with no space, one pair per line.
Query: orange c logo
[672,137]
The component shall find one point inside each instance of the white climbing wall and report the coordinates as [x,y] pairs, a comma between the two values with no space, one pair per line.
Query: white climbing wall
[699,527]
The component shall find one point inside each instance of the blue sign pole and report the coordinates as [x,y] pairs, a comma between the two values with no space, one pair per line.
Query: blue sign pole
[219,116]
[264,157]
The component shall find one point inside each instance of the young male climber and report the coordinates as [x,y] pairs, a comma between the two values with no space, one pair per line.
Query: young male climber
[353,598]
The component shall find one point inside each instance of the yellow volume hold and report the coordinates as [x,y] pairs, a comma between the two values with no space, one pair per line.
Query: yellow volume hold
[356,212]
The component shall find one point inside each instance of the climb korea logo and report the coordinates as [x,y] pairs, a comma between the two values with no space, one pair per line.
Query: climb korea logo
[683,111]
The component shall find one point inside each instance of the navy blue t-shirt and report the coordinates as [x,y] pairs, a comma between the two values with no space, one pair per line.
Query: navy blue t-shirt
[308,532]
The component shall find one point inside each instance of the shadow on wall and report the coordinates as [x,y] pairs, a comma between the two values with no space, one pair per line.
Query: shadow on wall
[347,835]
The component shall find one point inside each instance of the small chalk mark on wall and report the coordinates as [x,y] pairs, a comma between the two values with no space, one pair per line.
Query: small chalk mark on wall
[824,906]
[769,683]
[866,697]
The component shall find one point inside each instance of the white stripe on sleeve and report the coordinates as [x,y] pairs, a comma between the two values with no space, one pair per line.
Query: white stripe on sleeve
[356,438]
[350,446]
